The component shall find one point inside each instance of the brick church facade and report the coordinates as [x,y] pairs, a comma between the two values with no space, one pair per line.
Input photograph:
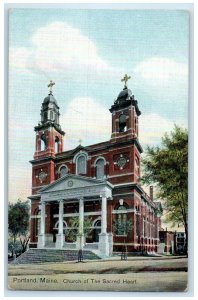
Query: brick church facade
[99,182]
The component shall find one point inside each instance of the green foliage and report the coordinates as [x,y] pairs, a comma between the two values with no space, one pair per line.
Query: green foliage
[73,228]
[14,247]
[167,166]
[18,223]
[123,227]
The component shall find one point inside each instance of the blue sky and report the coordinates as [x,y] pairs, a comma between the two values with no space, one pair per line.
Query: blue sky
[86,52]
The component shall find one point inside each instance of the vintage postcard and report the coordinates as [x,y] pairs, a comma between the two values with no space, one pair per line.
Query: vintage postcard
[98,150]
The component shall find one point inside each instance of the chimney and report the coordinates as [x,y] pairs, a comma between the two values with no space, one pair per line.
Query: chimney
[151,192]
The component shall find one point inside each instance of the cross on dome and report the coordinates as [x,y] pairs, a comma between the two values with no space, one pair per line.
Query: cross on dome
[50,85]
[125,79]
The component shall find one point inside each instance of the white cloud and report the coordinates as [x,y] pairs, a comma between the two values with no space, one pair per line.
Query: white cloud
[87,120]
[60,48]
[90,121]
[152,128]
[160,70]
[164,79]
[18,58]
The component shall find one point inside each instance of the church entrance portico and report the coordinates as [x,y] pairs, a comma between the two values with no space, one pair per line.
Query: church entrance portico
[76,191]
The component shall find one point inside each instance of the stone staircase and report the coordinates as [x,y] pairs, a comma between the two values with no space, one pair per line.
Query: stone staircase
[34,256]
[90,246]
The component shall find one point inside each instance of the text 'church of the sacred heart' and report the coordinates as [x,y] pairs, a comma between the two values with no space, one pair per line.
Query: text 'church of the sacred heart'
[98,182]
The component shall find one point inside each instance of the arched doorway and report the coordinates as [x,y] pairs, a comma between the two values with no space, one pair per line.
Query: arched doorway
[96,231]
[55,229]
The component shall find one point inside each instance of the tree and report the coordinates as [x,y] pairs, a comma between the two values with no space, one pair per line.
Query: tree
[18,223]
[73,229]
[167,166]
[14,248]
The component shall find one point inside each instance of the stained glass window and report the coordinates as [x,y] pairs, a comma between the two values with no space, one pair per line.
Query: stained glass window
[100,169]
[81,165]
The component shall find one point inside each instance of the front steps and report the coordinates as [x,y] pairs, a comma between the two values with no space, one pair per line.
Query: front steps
[33,256]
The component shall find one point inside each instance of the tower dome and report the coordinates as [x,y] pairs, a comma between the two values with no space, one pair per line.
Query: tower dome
[50,99]
[125,98]
[125,94]
[50,111]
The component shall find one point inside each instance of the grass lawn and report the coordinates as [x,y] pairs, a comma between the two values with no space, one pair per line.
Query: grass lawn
[135,274]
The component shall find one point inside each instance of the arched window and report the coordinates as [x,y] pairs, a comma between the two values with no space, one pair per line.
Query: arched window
[81,164]
[122,123]
[96,230]
[56,144]
[136,125]
[56,118]
[97,224]
[51,115]
[45,116]
[137,165]
[121,220]
[144,227]
[56,226]
[63,171]
[100,168]
[43,142]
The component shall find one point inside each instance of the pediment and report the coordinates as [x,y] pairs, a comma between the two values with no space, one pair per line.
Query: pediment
[78,149]
[69,182]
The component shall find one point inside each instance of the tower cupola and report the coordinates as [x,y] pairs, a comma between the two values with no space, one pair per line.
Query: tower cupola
[50,110]
[49,135]
[125,113]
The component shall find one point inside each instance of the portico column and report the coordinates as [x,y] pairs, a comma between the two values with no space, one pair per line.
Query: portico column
[60,227]
[60,236]
[104,215]
[80,237]
[104,241]
[42,229]
[41,236]
[81,216]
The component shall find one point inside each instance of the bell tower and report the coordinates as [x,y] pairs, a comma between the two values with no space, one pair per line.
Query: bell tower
[125,131]
[125,113]
[49,135]
[49,142]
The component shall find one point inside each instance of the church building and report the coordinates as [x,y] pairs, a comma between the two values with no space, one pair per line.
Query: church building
[99,183]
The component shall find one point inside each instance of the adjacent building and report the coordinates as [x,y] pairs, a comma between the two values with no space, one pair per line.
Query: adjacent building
[172,242]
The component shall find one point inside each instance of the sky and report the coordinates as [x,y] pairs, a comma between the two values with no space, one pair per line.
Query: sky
[86,53]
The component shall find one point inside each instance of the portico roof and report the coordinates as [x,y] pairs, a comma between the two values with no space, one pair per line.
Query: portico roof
[71,186]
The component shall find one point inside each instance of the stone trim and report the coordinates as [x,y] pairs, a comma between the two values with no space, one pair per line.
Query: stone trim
[100,154]
[121,235]
[39,160]
[123,194]
[120,175]
[99,157]
[79,153]
[133,244]
[39,186]
[97,213]
[126,211]
[36,216]
[121,148]
[122,184]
